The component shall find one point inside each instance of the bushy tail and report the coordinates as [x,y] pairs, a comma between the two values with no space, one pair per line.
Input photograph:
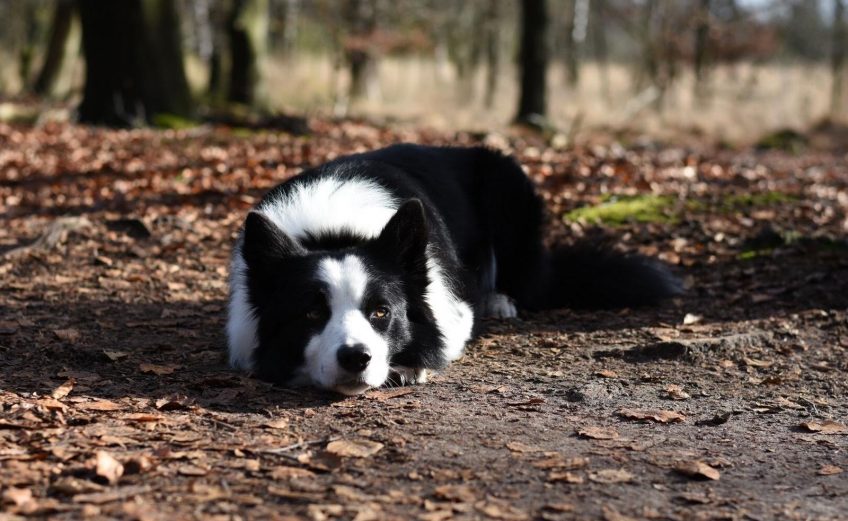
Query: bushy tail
[587,276]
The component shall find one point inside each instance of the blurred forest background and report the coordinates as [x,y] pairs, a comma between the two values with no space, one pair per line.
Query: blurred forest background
[729,70]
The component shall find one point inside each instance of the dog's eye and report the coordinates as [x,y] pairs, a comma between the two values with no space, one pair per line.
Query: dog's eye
[380,313]
[315,314]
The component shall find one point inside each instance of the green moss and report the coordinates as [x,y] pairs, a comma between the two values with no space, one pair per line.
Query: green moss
[786,139]
[620,210]
[173,122]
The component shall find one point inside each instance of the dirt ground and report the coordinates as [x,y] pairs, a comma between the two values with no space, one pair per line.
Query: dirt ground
[116,402]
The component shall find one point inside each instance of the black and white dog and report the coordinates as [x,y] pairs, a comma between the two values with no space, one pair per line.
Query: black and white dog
[374,267]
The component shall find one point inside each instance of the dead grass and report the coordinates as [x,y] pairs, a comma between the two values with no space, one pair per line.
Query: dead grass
[745,101]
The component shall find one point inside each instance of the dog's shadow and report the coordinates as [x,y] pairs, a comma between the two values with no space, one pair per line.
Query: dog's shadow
[171,354]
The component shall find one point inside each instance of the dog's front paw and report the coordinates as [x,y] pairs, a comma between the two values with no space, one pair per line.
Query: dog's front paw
[498,305]
[407,376]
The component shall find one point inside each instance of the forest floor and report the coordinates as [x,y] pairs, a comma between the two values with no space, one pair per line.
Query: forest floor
[730,402]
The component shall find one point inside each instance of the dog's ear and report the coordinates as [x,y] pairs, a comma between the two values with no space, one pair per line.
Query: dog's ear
[405,236]
[265,243]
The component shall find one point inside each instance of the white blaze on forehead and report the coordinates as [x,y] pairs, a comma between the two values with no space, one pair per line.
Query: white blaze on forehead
[346,281]
[330,204]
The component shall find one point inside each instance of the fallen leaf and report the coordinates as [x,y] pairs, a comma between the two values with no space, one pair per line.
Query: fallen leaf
[825,427]
[67,335]
[611,476]
[675,392]
[697,469]
[559,462]
[354,448]
[457,493]
[560,507]
[64,389]
[517,446]
[17,496]
[598,433]
[606,373]
[108,467]
[660,416]
[142,417]
[115,355]
[278,424]
[565,477]
[829,470]
[100,405]
[382,395]
[531,401]
[159,370]
[500,509]
[191,470]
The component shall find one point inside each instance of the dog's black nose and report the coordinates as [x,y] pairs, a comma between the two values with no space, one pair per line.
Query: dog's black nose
[354,358]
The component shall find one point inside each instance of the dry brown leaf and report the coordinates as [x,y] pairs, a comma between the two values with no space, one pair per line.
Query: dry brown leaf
[108,467]
[606,373]
[142,417]
[829,470]
[382,395]
[517,446]
[825,427]
[354,448]
[559,462]
[675,392]
[277,424]
[100,405]
[565,477]
[17,496]
[500,509]
[159,370]
[191,470]
[611,476]
[697,469]
[67,335]
[531,401]
[64,389]
[284,472]
[660,416]
[457,493]
[115,355]
[560,507]
[598,433]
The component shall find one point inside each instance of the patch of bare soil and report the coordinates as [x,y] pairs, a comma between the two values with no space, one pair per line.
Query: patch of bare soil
[115,399]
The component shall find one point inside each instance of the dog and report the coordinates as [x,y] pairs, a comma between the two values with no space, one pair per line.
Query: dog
[374,268]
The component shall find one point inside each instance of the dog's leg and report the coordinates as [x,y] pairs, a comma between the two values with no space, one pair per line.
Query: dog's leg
[408,375]
[497,305]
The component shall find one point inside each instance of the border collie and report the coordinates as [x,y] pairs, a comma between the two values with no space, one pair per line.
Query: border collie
[374,267]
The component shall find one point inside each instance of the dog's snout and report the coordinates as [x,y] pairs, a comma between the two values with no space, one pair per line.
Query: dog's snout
[354,358]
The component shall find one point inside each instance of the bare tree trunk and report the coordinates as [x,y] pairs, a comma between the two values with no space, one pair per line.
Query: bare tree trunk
[533,62]
[59,45]
[569,46]
[702,33]
[493,51]
[837,61]
[361,15]
[599,38]
[247,28]
[134,65]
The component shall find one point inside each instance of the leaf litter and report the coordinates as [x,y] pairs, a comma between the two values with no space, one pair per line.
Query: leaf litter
[111,342]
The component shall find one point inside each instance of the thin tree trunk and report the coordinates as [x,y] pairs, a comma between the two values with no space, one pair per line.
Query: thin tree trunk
[702,32]
[493,52]
[134,66]
[599,38]
[533,62]
[57,47]
[361,17]
[837,61]
[247,28]
[569,45]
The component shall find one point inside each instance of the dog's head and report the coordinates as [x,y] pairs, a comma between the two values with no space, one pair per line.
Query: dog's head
[333,318]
